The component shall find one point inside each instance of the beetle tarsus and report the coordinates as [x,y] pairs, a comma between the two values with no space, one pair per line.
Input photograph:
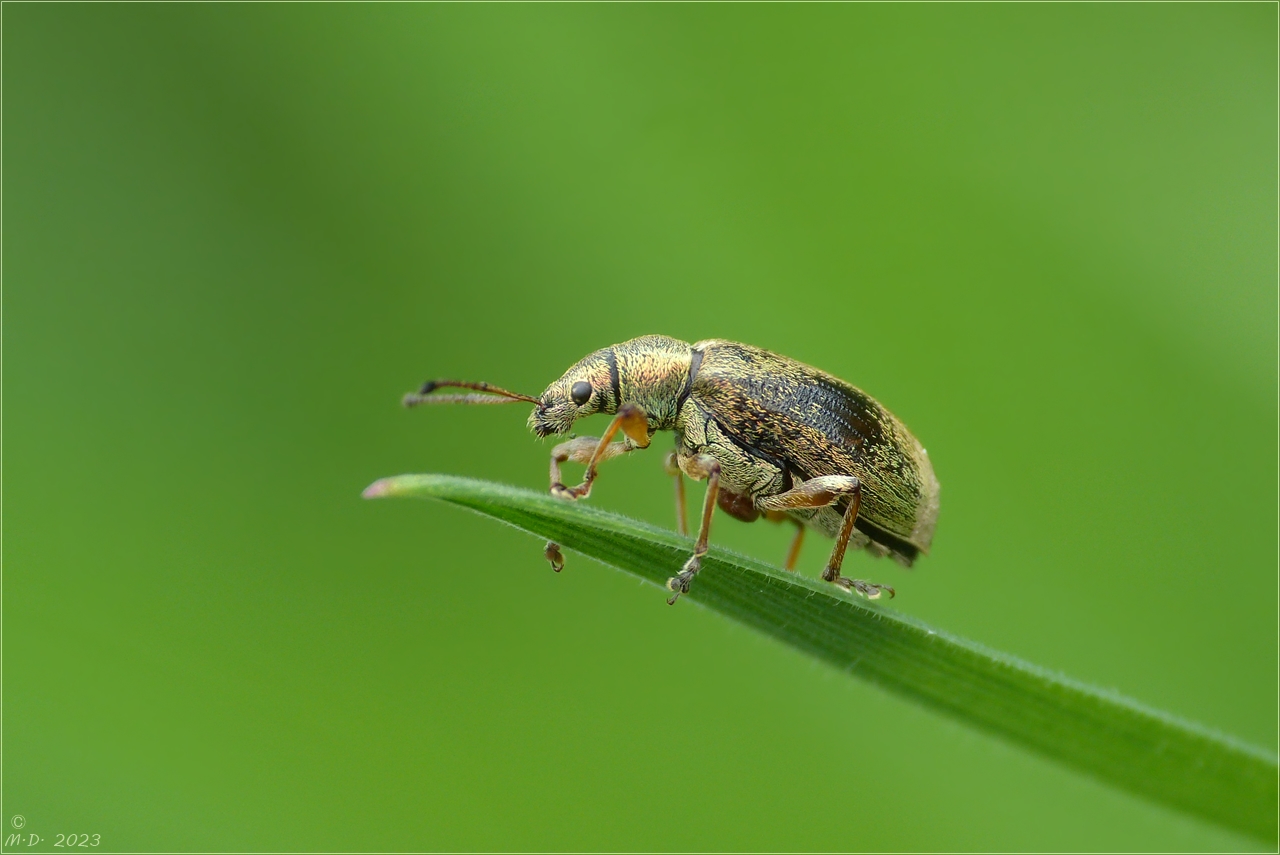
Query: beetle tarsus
[870,590]
[570,494]
[553,554]
[681,581]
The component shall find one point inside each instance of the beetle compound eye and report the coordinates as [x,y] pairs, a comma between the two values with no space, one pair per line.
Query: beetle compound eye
[581,392]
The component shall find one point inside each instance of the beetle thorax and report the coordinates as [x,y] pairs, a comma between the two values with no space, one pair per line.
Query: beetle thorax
[653,372]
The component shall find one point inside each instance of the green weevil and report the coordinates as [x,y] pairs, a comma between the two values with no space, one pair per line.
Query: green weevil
[773,438]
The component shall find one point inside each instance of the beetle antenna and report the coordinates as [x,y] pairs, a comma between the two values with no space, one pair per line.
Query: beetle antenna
[495,395]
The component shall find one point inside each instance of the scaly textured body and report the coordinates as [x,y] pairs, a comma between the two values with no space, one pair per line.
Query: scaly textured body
[772,436]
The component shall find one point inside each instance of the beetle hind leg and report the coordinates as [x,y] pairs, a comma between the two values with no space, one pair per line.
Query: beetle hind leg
[831,572]
[821,492]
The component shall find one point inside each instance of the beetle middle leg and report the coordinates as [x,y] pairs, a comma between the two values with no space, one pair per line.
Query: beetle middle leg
[698,467]
[672,464]
[819,493]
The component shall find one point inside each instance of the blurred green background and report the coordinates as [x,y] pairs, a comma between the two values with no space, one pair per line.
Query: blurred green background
[1044,235]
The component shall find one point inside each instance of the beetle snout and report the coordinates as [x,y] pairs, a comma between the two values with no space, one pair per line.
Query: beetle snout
[538,422]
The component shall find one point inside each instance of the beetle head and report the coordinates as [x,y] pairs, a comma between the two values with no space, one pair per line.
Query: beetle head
[653,372]
[589,387]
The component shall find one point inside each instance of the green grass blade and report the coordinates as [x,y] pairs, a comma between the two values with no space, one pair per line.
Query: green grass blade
[1123,743]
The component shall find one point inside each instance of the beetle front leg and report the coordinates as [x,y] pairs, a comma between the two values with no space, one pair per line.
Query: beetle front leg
[580,450]
[699,467]
[630,419]
[591,451]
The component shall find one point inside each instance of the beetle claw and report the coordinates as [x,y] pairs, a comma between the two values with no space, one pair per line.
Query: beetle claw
[571,494]
[870,590]
[681,581]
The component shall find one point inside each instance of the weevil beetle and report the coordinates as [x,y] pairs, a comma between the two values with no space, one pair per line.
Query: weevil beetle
[773,438]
